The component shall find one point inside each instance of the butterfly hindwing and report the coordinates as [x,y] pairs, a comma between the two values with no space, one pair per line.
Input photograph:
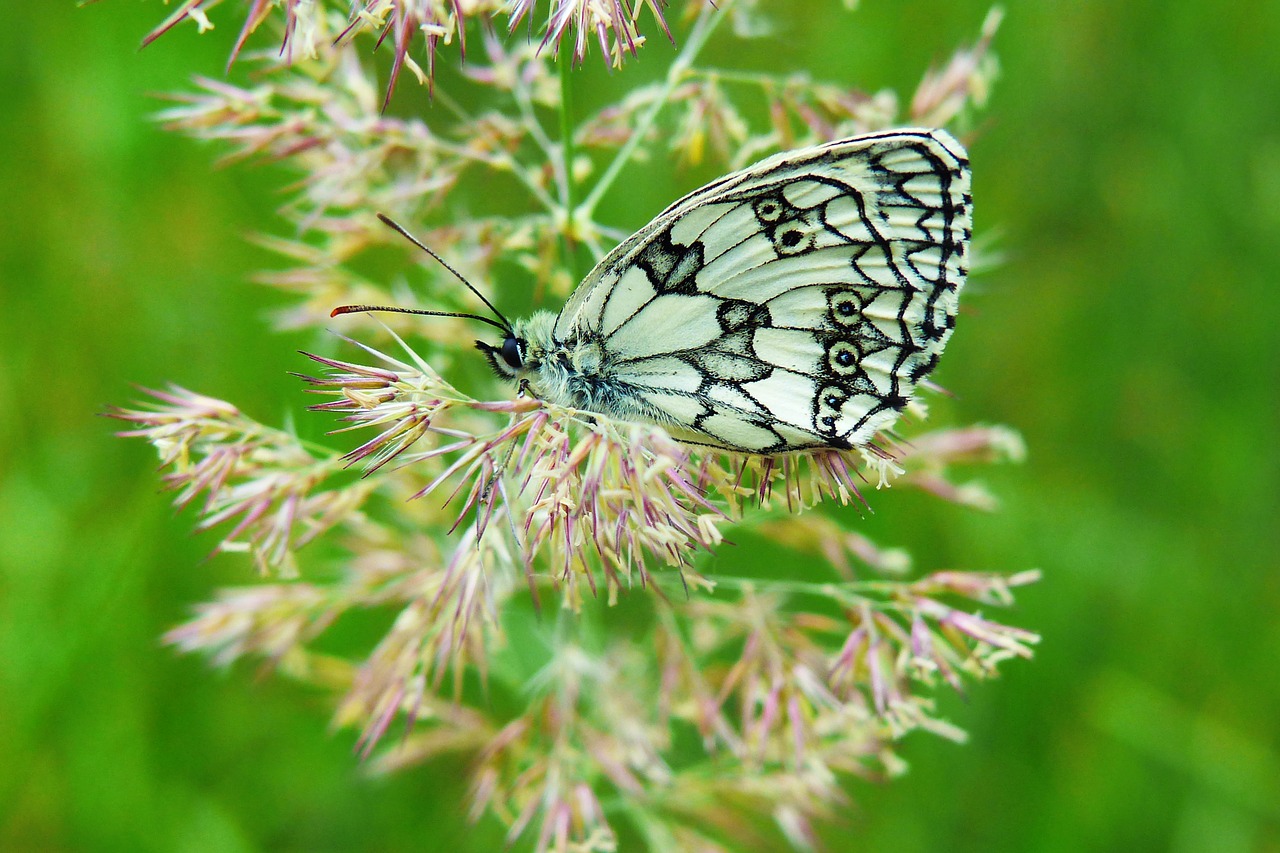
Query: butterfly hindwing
[794,304]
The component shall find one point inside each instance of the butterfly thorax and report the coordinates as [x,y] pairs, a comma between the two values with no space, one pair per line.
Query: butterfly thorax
[574,373]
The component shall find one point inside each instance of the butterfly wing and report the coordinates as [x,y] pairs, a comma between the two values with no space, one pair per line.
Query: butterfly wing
[794,304]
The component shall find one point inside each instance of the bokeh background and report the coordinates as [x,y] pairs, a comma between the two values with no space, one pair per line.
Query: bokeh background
[1127,172]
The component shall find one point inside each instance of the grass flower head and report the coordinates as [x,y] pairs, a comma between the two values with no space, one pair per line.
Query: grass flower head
[587,565]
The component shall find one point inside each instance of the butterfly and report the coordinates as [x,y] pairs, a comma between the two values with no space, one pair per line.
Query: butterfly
[794,304]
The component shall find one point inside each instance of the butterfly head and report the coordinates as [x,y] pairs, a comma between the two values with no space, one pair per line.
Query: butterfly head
[523,352]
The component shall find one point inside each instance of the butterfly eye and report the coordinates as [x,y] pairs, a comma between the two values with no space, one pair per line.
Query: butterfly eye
[512,353]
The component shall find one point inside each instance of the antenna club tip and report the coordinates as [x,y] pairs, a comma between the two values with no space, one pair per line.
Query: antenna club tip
[341,309]
[398,228]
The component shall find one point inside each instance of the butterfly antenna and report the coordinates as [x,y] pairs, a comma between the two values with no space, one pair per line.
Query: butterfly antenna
[360,309]
[396,226]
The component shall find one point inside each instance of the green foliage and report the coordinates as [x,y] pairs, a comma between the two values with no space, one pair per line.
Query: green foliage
[1128,160]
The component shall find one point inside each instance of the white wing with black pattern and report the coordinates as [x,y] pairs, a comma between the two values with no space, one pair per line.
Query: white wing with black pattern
[794,304]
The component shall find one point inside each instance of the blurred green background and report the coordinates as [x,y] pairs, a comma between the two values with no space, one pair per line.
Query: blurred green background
[1129,173]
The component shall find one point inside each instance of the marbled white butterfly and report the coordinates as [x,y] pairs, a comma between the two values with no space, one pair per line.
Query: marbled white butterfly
[794,304]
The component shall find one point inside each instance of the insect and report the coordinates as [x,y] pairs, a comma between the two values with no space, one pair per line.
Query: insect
[794,304]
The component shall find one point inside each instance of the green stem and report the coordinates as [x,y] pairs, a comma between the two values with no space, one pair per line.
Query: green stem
[569,244]
[566,134]
[848,592]
[707,21]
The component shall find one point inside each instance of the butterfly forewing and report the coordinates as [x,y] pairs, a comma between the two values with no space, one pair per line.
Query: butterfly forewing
[794,304]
